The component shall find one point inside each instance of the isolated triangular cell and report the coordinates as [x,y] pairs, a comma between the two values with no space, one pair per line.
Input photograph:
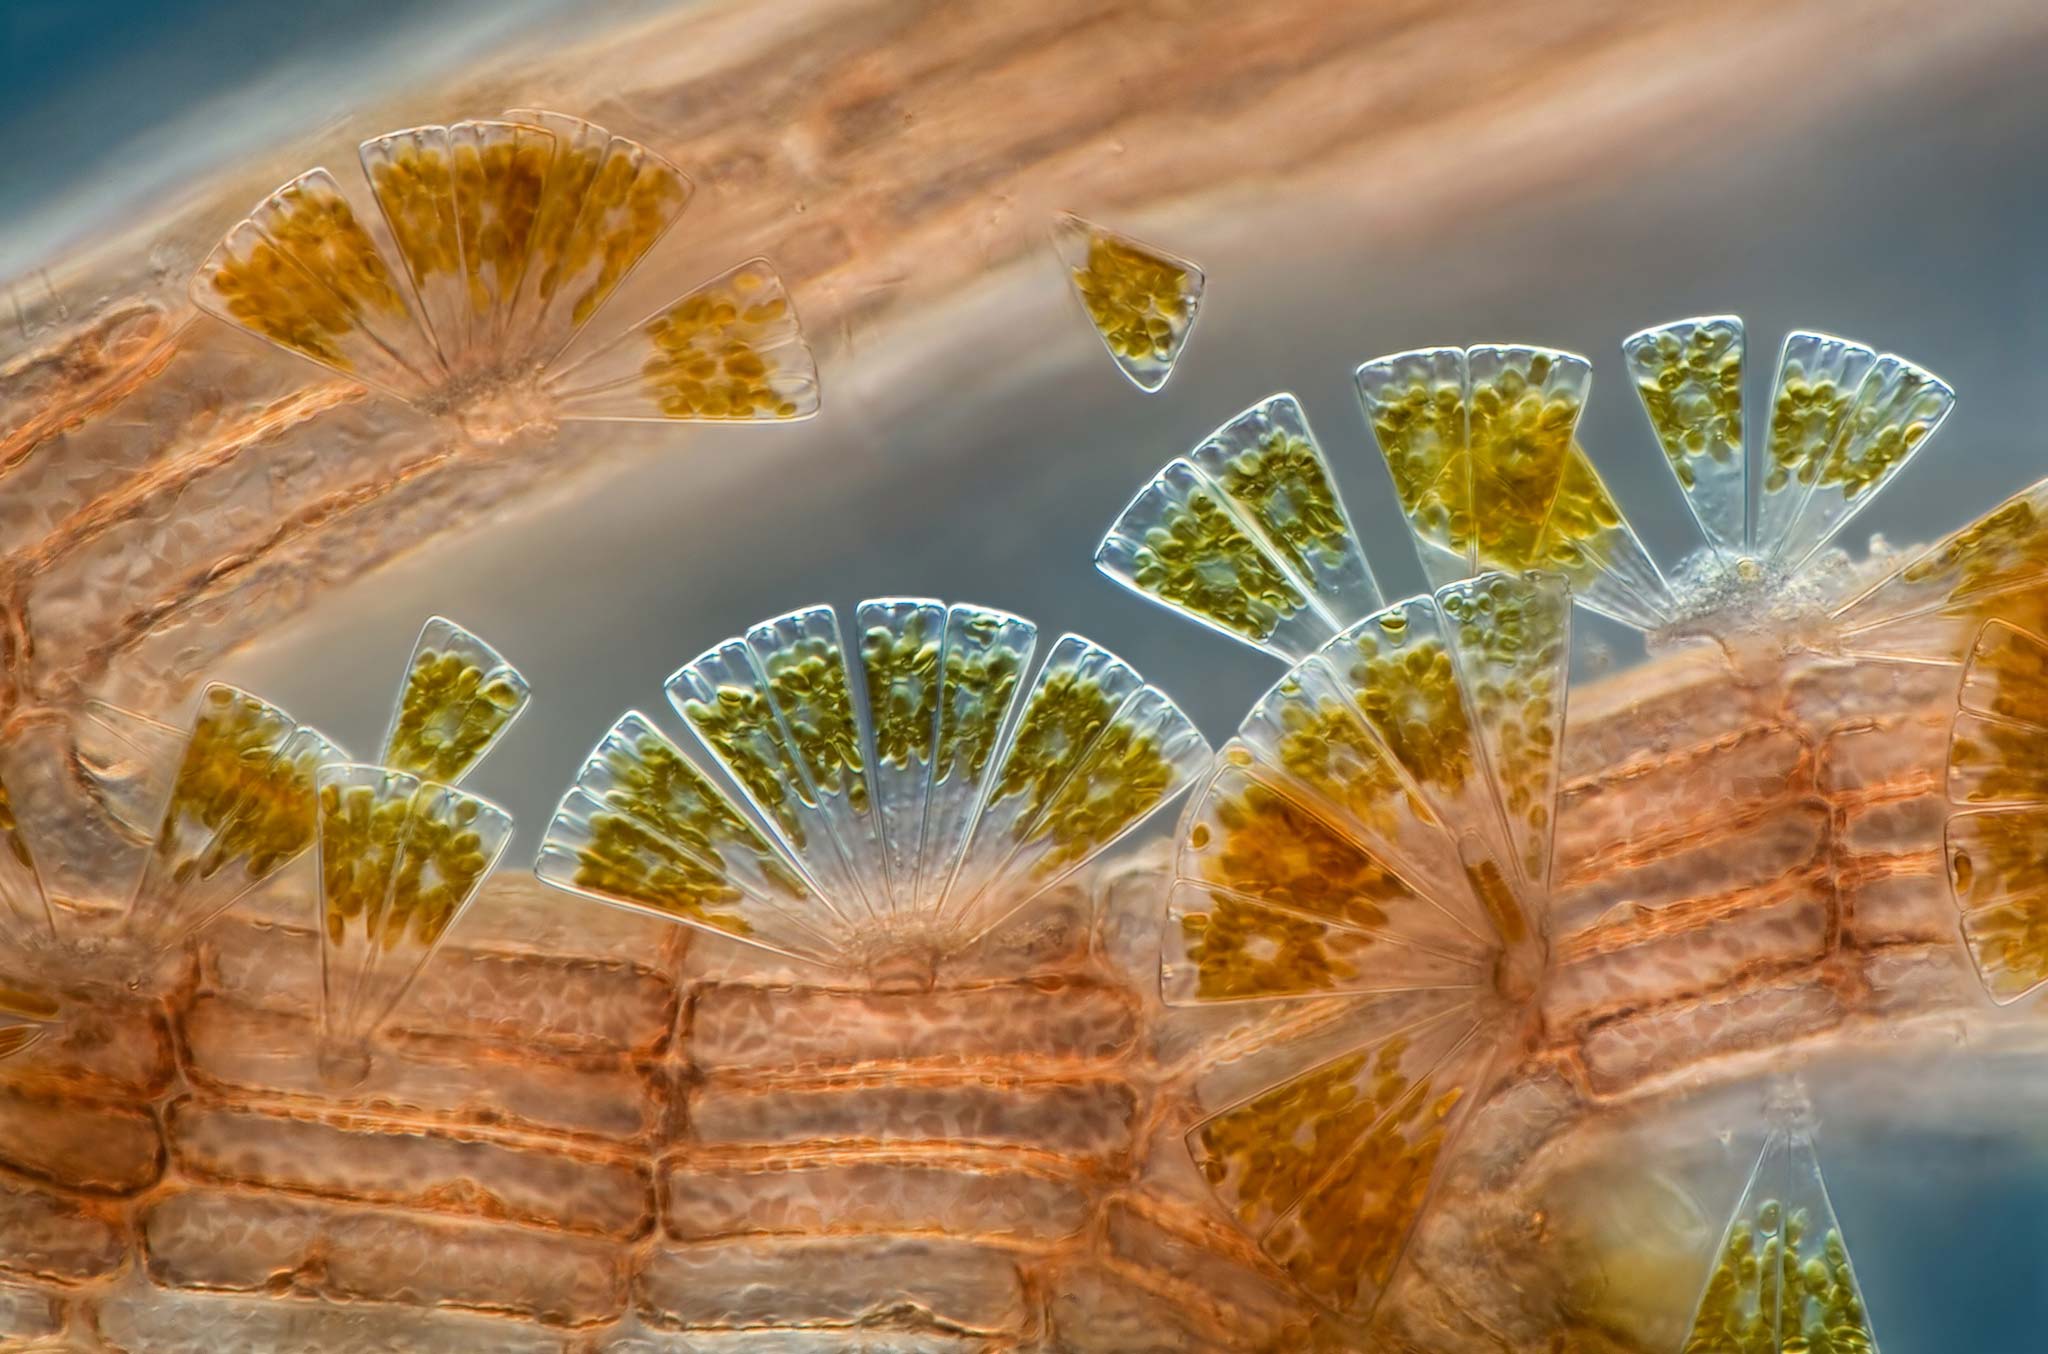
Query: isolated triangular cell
[1140,298]
[901,796]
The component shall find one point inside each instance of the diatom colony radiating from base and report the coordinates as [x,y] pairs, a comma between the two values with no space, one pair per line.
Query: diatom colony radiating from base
[829,1015]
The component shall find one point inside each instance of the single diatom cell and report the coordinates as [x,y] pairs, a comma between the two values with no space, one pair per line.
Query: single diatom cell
[730,350]
[492,245]
[1781,1281]
[1379,829]
[240,810]
[902,798]
[1688,375]
[1998,839]
[457,698]
[1141,299]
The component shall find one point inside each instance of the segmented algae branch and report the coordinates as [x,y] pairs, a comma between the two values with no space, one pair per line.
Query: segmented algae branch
[890,821]
[1140,299]
[499,241]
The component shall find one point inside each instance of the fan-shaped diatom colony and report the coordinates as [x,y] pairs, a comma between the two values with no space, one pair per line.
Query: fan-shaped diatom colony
[916,980]
[907,821]
[500,240]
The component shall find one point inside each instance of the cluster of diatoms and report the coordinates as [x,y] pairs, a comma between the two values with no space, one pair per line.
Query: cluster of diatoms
[399,855]
[1308,865]
[913,807]
[253,809]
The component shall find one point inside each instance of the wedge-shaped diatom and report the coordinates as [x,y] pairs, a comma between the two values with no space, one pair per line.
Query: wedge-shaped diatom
[1996,567]
[1248,536]
[1482,446]
[732,349]
[458,697]
[491,246]
[1140,299]
[1688,375]
[1781,1281]
[400,858]
[903,795]
[240,810]
[1998,777]
[1379,829]
[1844,421]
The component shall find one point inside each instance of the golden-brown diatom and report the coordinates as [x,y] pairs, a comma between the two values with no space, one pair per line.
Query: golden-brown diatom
[493,244]
[891,820]
[1140,299]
